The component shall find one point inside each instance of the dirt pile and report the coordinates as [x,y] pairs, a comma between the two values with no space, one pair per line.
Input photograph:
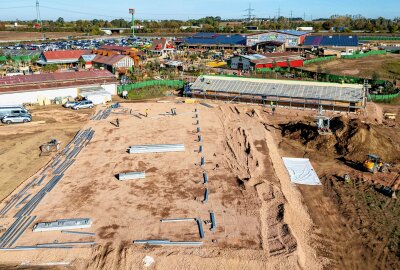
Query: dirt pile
[351,139]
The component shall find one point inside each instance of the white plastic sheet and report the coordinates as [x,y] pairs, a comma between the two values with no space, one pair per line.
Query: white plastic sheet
[301,171]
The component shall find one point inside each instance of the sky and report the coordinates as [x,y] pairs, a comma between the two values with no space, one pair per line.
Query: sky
[193,9]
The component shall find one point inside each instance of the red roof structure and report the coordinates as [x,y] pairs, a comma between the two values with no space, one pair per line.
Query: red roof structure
[23,83]
[109,60]
[68,54]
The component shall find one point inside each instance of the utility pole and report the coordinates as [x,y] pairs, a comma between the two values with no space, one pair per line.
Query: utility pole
[291,15]
[132,11]
[279,12]
[250,14]
[38,19]
[304,16]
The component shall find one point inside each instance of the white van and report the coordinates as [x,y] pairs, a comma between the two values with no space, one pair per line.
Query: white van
[13,110]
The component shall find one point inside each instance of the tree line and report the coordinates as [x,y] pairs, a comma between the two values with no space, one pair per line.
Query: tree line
[336,23]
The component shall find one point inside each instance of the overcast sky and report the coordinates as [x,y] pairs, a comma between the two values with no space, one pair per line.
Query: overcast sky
[184,9]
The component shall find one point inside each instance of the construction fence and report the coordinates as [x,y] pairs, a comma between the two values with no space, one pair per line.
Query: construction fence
[383,98]
[377,38]
[361,55]
[139,85]
[320,59]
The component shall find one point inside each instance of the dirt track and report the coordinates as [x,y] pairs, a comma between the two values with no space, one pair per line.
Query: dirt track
[259,226]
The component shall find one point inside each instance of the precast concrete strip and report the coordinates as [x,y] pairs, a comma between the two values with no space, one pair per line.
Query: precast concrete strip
[167,243]
[10,230]
[213,222]
[65,244]
[177,219]
[205,178]
[80,233]
[200,225]
[205,196]
[30,220]
[23,200]
[131,176]
[15,231]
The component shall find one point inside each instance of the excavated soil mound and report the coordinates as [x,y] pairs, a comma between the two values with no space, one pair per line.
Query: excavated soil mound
[351,139]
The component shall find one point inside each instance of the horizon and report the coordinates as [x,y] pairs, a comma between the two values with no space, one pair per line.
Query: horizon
[187,10]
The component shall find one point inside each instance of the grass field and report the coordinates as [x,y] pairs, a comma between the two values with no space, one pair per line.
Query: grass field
[386,66]
[149,92]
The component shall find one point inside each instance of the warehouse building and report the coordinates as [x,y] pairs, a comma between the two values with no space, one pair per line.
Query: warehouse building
[114,63]
[286,93]
[271,60]
[290,38]
[213,41]
[42,88]
[345,44]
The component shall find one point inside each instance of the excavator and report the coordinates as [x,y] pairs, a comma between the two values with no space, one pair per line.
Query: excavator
[374,164]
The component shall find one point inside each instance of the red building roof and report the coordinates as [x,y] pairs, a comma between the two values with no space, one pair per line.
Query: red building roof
[109,60]
[22,83]
[68,54]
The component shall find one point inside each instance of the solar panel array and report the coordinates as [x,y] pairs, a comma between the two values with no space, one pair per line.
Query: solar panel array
[340,41]
[216,39]
[266,88]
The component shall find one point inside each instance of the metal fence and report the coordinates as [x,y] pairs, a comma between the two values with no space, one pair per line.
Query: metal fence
[138,85]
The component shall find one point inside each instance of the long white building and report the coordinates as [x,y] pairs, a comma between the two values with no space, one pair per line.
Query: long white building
[41,87]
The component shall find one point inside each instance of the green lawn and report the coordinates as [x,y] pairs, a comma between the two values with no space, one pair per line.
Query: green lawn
[149,92]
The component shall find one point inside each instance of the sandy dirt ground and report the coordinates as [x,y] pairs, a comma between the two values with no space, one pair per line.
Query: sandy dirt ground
[355,225]
[363,67]
[27,36]
[19,143]
[262,222]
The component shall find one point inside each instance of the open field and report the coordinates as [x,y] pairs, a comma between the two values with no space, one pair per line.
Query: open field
[263,220]
[27,36]
[20,143]
[385,65]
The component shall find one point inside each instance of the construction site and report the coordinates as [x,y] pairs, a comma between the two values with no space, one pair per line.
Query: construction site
[169,184]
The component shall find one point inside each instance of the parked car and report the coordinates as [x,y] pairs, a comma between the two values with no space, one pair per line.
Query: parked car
[16,119]
[85,104]
[12,110]
[69,104]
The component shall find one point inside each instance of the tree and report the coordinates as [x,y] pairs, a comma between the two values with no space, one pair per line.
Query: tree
[50,68]
[327,25]
[60,21]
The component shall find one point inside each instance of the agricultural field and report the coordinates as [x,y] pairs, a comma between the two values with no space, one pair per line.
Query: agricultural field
[387,67]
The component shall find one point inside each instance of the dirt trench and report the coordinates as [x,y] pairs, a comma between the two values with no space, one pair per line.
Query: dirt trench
[351,139]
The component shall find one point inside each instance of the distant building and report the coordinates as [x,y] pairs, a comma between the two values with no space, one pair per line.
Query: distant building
[271,60]
[305,28]
[40,88]
[290,38]
[214,41]
[191,27]
[68,57]
[162,47]
[117,62]
[343,43]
